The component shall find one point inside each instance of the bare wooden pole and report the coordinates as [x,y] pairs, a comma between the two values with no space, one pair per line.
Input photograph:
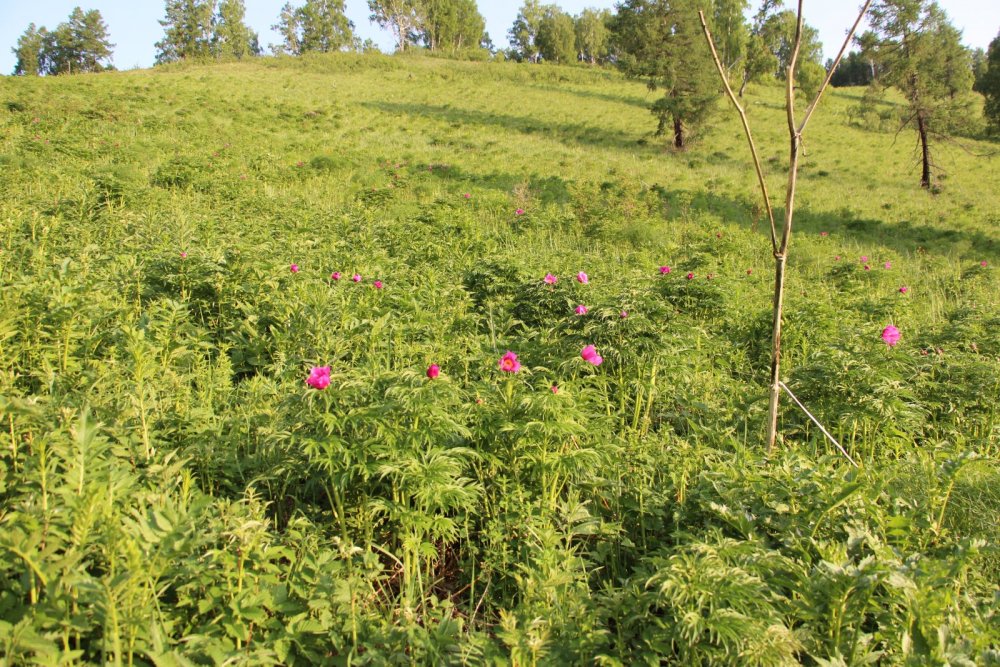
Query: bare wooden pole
[795,145]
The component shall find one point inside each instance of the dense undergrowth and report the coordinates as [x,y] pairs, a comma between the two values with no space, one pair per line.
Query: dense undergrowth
[172,491]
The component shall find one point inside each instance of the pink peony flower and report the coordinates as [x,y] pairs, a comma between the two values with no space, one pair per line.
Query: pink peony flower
[550,279]
[467,195]
[890,335]
[582,278]
[184,255]
[319,377]
[864,258]
[335,275]
[887,265]
[904,289]
[690,276]
[356,277]
[508,363]
[519,211]
[983,263]
[589,354]
[377,284]
[581,309]
[294,268]
[555,389]
[664,270]
[433,371]
[623,314]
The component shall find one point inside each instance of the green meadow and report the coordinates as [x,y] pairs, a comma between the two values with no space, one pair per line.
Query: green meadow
[173,492]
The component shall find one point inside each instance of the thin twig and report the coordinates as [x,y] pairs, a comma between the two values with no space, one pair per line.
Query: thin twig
[746,129]
[836,62]
[816,421]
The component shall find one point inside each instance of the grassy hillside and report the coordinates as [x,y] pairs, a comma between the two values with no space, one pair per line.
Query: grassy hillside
[172,490]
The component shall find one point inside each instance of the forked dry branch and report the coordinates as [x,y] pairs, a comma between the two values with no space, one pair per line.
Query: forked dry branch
[780,249]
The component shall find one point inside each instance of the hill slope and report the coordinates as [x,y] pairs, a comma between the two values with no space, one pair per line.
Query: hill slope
[174,489]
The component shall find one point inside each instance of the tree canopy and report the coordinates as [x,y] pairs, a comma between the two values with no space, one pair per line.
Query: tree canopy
[661,41]
[81,44]
[918,52]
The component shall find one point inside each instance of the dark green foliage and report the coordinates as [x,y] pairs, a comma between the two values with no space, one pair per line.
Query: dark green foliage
[593,35]
[854,70]
[662,43]
[556,38]
[79,45]
[988,84]
[232,38]
[919,53]
[523,34]
[451,25]
[187,28]
[318,26]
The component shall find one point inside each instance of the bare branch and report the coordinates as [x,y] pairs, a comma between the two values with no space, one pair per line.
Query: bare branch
[746,129]
[836,62]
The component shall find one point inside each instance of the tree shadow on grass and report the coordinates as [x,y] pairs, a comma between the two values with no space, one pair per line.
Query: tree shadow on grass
[630,100]
[568,133]
[903,237]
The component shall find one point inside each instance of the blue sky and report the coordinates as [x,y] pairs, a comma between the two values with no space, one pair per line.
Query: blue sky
[134,28]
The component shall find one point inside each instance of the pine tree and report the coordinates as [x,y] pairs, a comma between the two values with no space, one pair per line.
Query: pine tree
[662,42]
[30,51]
[232,38]
[188,29]
[989,84]
[919,53]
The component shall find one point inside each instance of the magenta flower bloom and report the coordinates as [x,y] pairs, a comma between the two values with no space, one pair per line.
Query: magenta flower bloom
[824,233]
[433,371]
[581,309]
[864,258]
[294,268]
[664,270]
[582,278]
[319,377]
[184,255]
[867,268]
[508,363]
[690,276]
[555,389]
[356,277]
[904,289]
[623,314]
[983,263]
[467,195]
[887,265]
[335,275]
[377,284]
[890,335]
[550,279]
[589,354]
[519,211]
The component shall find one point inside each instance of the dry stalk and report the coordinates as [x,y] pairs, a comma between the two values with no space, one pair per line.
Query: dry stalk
[795,146]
